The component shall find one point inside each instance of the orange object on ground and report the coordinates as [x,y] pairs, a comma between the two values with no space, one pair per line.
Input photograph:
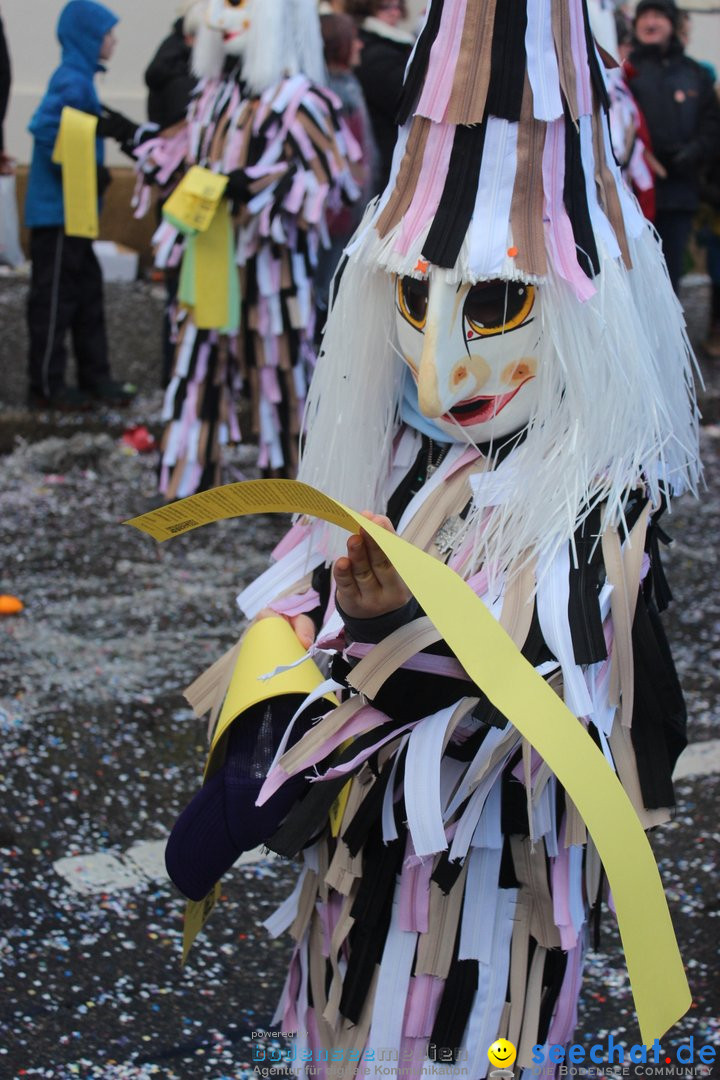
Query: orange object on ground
[10,605]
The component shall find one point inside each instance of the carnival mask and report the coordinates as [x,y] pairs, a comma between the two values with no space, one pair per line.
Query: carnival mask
[473,352]
[233,18]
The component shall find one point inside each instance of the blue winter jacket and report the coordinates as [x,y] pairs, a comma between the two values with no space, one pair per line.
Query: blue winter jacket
[81,28]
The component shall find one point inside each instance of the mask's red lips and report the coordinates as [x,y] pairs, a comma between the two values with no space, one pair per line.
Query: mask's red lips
[479,410]
[230,35]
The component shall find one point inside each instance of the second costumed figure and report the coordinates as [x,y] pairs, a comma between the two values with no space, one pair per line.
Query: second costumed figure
[261,116]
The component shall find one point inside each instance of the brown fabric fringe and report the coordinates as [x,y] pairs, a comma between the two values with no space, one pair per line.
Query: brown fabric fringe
[472,73]
[407,178]
[561,27]
[526,208]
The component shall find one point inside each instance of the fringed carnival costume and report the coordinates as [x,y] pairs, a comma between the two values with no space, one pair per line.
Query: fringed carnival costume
[262,115]
[505,373]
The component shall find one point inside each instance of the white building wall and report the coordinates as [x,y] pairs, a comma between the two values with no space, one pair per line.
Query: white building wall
[35,53]
[705,33]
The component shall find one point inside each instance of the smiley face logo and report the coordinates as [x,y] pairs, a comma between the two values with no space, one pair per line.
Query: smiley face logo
[502,1054]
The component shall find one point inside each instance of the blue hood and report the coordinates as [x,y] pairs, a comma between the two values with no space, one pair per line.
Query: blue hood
[81,28]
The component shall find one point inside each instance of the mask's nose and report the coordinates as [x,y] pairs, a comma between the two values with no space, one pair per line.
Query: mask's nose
[447,373]
[442,301]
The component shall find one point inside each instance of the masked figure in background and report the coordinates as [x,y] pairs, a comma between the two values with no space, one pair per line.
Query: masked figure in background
[628,127]
[261,116]
[506,376]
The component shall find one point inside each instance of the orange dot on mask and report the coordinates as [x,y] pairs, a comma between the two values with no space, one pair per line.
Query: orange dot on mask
[512,252]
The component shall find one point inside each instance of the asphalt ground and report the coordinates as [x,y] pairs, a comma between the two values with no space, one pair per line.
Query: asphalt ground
[99,751]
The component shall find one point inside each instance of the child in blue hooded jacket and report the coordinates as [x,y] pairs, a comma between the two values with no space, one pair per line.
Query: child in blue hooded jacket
[66,292]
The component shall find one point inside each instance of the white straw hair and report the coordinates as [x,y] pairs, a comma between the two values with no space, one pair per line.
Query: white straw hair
[208,53]
[615,407]
[284,39]
[351,413]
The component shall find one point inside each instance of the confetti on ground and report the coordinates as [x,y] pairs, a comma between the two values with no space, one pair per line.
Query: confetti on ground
[99,752]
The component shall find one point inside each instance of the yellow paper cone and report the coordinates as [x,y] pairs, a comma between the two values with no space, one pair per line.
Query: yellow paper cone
[268,644]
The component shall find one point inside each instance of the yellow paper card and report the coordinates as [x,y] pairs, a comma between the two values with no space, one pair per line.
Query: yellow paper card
[267,644]
[194,202]
[495,664]
[75,151]
[197,913]
[213,267]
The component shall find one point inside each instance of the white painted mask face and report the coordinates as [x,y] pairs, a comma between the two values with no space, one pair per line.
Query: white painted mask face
[233,18]
[473,352]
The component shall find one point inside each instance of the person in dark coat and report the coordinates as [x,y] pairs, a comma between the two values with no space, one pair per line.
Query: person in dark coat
[386,50]
[677,97]
[170,83]
[168,77]
[5,80]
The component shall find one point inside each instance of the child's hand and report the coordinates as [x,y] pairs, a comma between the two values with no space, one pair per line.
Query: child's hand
[367,583]
[303,625]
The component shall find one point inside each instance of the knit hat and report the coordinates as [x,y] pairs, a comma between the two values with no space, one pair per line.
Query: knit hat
[665,7]
[503,172]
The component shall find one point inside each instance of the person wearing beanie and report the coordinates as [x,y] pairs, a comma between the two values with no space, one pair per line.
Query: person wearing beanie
[677,98]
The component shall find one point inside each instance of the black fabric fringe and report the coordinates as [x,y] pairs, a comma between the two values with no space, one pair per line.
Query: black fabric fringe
[584,614]
[372,911]
[508,60]
[457,203]
[596,75]
[454,1009]
[553,975]
[576,204]
[417,70]
[659,719]
[368,813]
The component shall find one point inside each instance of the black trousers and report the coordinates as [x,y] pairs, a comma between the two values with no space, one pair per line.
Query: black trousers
[66,296]
[674,228]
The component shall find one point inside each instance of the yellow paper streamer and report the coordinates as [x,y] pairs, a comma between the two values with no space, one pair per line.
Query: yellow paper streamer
[489,656]
[75,151]
[197,913]
[195,200]
[213,267]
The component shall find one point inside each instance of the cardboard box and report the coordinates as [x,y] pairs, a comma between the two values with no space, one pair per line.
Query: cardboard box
[118,263]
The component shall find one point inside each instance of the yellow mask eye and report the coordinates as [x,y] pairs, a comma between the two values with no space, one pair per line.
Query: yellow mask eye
[496,307]
[412,296]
